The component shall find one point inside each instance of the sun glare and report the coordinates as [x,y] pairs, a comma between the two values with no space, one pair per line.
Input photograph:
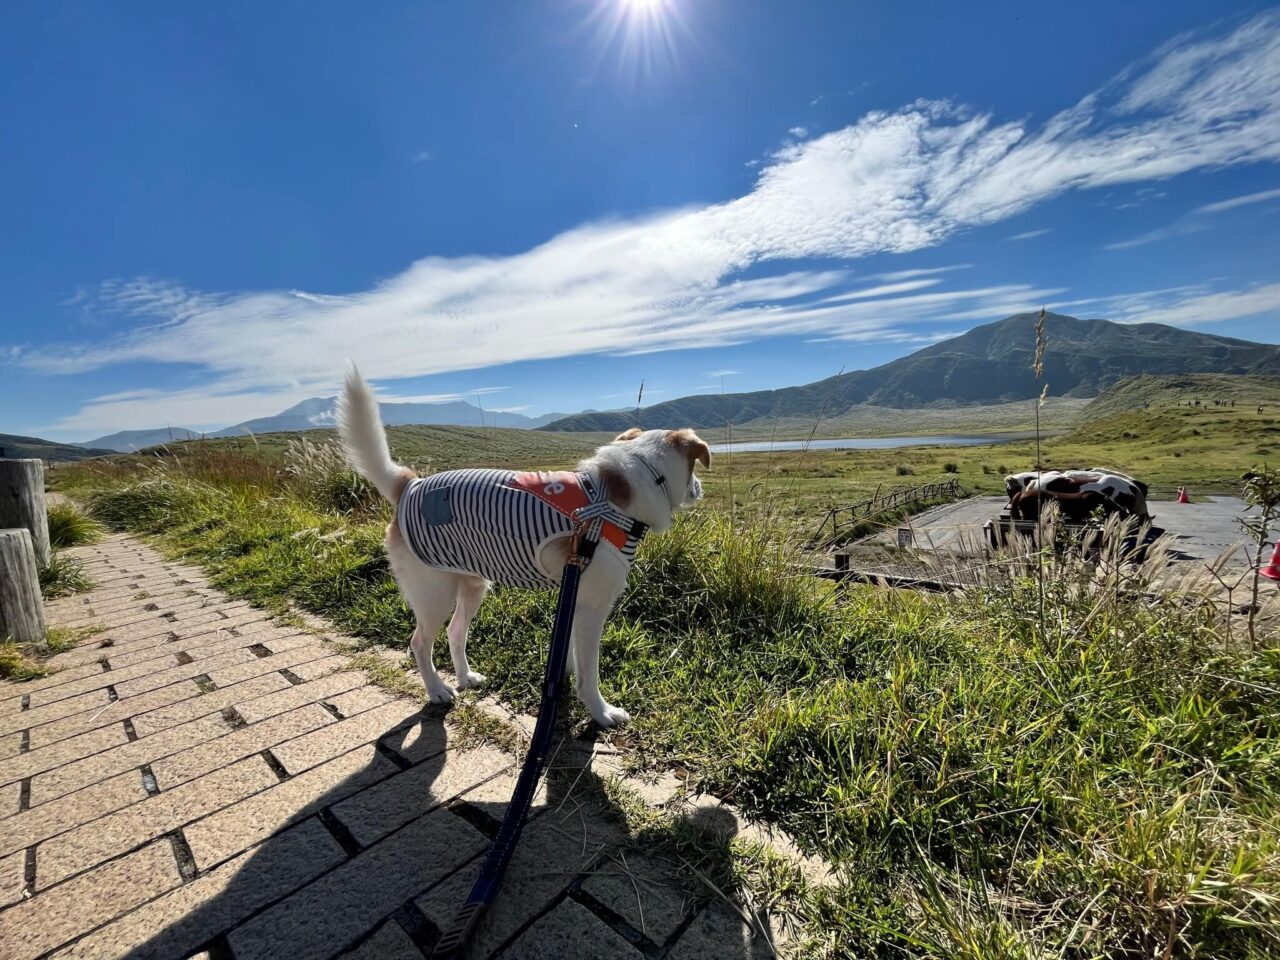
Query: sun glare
[639,36]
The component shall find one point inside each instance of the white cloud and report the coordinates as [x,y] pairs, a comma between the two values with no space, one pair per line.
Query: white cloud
[715,374]
[798,133]
[1183,305]
[1234,202]
[894,182]
[1179,228]
[1030,234]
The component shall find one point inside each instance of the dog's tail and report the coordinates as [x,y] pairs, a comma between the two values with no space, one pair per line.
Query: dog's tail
[365,441]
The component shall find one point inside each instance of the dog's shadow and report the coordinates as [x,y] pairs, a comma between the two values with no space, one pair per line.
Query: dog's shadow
[375,865]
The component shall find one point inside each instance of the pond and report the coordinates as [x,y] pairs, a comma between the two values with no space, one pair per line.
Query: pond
[870,443]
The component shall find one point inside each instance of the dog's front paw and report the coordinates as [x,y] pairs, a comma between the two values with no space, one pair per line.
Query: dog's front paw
[470,679]
[612,716]
[440,694]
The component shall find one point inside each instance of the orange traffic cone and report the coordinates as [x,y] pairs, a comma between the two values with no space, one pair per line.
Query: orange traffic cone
[1272,570]
[1182,495]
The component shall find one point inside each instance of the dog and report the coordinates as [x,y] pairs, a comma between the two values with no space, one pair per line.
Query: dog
[455,533]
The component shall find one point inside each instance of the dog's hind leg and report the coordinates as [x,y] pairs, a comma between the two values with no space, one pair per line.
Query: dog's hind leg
[471,591]
[430,594]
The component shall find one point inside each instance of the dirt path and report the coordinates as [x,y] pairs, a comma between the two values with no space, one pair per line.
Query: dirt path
[198,779]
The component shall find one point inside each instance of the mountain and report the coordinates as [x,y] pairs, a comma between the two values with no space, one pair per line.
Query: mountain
[323,412]
[988,364]
[23,448]
[127,441]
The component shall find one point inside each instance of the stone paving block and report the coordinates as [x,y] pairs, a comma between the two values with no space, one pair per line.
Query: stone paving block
[389,942]
[73,776]
[315,669]
[290,696]
[61,753]
[719,934]
[570,930]
[34,719]
[116,712]
[554,849]
[161,676]
[308,924]
[360,699]
[9,796]
[10,745]
[256,737]
[237,827]
[13,878]
[373,813]
[96,681]
[189,708]
[306,752]
[187,918]
[79,849]
[49,819]
[32,688]
[225,676]
[644,891]
[51,919]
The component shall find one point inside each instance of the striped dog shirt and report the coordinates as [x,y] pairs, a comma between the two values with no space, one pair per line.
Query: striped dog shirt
[492,524]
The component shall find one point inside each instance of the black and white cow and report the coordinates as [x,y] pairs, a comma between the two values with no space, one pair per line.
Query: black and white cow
[1077,492]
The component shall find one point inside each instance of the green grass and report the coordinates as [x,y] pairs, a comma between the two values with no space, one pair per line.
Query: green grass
[1102,785]
[23,661]
[63,576]
[69,526]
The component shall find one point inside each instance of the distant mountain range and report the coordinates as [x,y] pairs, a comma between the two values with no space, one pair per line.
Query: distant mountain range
[322,412]
[988,364]
[14,447]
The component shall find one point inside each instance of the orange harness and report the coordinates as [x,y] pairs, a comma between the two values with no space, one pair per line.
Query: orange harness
[562,491]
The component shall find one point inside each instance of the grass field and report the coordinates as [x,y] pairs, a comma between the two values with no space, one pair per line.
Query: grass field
[988,783]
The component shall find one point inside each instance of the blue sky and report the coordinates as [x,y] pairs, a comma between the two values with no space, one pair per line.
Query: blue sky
[209,208]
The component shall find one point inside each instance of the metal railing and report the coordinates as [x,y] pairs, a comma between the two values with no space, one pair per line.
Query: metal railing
[838,520]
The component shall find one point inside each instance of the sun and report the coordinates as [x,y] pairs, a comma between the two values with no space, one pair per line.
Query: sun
[640,36]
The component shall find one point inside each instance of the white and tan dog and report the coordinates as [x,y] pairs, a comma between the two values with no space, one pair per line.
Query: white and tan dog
[454,533]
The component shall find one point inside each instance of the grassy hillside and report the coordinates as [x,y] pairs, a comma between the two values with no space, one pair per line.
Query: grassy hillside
[1144,392]
[16,447]
[425,447]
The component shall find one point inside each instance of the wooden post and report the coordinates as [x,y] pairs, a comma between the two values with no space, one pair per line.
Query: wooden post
[21,606]
[22,503]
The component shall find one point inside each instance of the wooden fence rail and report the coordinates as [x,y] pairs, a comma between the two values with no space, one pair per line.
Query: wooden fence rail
[840,519]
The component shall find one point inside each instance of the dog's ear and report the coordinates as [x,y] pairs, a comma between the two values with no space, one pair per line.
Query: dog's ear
[691,445]
[628,435]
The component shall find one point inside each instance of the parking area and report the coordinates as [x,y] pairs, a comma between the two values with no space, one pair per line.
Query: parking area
[1202,530]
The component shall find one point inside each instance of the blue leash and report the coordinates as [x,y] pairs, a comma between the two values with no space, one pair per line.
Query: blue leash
[452,943]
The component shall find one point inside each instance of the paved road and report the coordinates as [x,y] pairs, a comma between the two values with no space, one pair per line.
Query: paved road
[199,780]
[1202,530]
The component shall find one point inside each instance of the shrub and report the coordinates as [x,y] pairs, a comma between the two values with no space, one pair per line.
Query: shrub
[320,472]
[949,467]
[69,526]
[903,470]
[986,470]
[1002,470]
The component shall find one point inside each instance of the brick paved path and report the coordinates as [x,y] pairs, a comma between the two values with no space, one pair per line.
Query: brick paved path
[200,780]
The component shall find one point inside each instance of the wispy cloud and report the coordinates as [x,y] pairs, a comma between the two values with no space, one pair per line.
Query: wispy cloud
[1030,234]
[1249,198]
[422,156]
[716,374]
[894,182]
[799,132]
[1179,228]
[1183,305]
